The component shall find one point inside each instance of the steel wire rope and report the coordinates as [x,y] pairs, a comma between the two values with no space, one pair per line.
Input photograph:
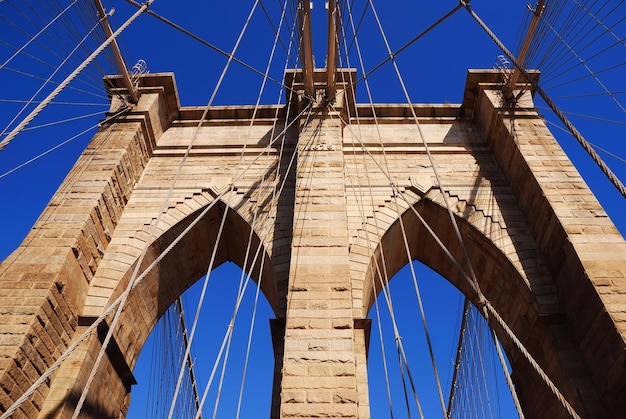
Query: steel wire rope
[379,274]
[588,17]
[604,70]
[457,361]
[595,146]
[28,35]
[523,29]
[355,29]
[486,304]
[595,118]
[207,44]
[34,76]
[607,30]
[417,291]
[152,373]
[196,132]
[459,325]
[63,190]
[197,315]
[566,55]
[274,190]
[55,103]
[443,247]
[403,379]
[591,72]
[243,284]
[230,329]
[482,385]
[203,118]
[36,35]
[112,307]
[50,150]
[574,21]
[67,23]
[109,333]
[575,66]
[504,367]
[553,10]
[276,30]
[582,95]
[87,14]
[186,359]
[65,82]
[470,371]
[397,338]
[249,342]
[369,241]
[71,34]
[384,357]
[577,135]
[107,62]
[391,56]
[497,388]
[600,21]
[62,121]
[21,111]
[435,172]
[288,169]
[272,204]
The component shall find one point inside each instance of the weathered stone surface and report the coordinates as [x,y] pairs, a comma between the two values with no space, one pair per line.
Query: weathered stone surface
[545,254]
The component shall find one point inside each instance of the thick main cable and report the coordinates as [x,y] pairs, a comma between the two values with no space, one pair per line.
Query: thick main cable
[577,135]
[73,75]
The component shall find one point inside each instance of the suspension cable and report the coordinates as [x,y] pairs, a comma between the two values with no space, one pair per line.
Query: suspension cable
[230,56]
[577,135]
[111,308]
[50,150]
[49,78]
[8,60]
[69,78]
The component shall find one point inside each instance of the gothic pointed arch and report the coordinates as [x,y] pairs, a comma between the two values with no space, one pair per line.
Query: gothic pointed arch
[516,288]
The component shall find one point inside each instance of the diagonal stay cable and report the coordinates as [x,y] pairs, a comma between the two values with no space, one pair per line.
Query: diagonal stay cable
[595,118]
[597,147]
[577,135]
[76,89]
[111,308]
[422,138]
[400,347]
[45,83]
[37,35]
[50,150]
[583,62]
[392,55]
[230,56]
[69,78]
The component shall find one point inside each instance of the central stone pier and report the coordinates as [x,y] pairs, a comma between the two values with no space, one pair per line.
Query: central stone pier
[324,351]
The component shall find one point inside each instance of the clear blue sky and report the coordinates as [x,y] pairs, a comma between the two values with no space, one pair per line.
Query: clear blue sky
[434,69]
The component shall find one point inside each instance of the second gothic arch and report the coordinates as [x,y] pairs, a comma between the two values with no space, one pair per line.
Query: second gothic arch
[508,285]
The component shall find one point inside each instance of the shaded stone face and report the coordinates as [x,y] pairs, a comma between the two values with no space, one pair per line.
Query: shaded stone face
[340,223]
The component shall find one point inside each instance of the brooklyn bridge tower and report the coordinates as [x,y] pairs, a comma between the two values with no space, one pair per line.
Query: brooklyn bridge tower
[320,199]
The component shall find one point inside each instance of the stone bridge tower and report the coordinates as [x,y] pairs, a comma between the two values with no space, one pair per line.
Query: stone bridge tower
[546,256]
